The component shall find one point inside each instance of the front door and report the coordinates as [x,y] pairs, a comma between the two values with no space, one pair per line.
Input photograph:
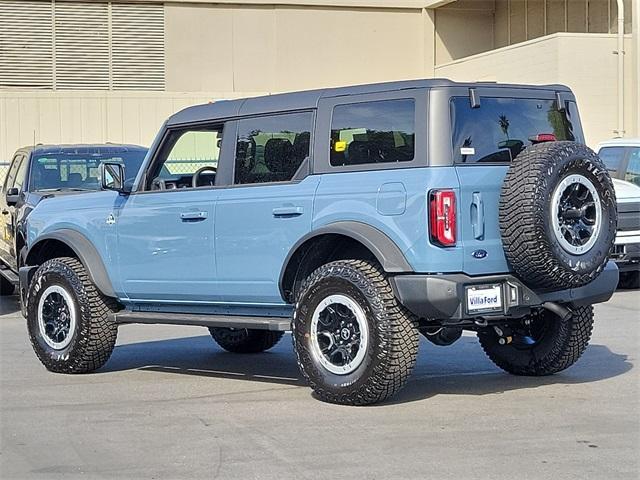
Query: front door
[267,209]
[15,179]
[166,230]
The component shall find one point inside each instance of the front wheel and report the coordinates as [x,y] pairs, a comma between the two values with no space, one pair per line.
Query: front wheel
[70,323]
[540,344]
[354,342]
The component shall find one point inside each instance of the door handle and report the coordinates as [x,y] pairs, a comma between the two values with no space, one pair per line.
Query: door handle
[477,216]
[193,216]
[288,211]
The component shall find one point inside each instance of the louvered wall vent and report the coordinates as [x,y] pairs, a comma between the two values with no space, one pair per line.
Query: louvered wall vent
[26,44]
[81,45]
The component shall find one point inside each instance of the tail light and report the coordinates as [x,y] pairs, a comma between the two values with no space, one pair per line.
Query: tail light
[542,137]
[442,217]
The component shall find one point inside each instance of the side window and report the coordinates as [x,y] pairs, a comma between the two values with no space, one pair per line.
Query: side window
[633,168]
[373,132]
[188,159]
[612,157]
[21,174]
[272,148]
[11,175]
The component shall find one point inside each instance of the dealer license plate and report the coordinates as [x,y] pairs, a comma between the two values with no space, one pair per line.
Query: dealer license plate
[484,298]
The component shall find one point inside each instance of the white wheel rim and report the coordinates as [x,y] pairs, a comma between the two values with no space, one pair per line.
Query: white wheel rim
[576,236]
[56,317]
[339,330]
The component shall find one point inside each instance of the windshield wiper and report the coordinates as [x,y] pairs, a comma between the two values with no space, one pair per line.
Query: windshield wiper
[66,189]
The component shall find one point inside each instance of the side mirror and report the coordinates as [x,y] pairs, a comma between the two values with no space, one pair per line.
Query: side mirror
[12,196]
[112,176]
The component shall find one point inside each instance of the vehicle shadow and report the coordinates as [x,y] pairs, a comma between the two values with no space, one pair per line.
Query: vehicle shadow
[461,369]
[9,305]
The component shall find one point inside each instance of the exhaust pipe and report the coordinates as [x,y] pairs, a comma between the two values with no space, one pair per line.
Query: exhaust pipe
[559,310]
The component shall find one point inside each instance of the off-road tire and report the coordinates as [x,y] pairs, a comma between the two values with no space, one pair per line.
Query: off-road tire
[560,347]
[243,340]
[6,287]
[95,334]
[525,215]
[629,280]
[393,334]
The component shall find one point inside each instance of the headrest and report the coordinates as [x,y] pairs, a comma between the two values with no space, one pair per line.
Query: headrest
[278,155]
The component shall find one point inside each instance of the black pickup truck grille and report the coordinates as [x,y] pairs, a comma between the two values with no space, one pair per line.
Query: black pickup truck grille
[629,216]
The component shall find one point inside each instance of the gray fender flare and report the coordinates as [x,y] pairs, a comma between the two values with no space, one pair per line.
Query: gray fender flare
[87,254]
[383,248]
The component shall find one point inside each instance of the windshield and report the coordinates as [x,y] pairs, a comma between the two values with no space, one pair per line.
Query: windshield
[79,171]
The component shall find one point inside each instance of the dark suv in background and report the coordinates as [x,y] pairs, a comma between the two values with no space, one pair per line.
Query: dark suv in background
[44,170]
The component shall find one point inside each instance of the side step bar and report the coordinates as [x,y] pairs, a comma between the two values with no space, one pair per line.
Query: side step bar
[258,323]
[9,275]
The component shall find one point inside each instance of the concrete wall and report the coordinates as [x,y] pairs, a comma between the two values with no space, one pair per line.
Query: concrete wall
[584,62]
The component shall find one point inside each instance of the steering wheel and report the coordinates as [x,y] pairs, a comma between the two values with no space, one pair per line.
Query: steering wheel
[196,176]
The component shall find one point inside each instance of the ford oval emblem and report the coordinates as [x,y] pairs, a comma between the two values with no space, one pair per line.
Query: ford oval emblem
[479,254]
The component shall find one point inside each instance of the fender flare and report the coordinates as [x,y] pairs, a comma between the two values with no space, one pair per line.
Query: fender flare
[383,248]
[87,254]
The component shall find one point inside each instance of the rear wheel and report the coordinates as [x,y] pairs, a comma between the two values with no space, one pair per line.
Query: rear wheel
[243,340]
[70,323]
[540,344]
[354,342]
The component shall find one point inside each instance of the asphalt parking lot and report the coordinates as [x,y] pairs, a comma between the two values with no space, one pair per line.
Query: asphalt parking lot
[171,404]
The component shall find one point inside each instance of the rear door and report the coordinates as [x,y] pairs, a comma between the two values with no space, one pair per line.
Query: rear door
[266,208]
[490,127]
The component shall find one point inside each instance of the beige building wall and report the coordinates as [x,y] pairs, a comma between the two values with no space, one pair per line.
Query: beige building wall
[463,28]
[584,62]
[279,48]
[225,50]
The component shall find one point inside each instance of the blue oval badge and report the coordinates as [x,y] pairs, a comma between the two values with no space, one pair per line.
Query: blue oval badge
[479,254]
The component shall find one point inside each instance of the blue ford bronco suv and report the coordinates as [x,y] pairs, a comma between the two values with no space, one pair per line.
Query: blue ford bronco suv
[355,217]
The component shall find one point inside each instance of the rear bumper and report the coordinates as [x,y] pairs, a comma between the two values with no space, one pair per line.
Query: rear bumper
[443,296]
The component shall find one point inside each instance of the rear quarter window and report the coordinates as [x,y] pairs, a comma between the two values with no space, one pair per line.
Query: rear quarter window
[501,128]
[373,132]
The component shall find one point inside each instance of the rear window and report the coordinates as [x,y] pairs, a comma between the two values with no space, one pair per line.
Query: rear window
[373,132]
[501,128]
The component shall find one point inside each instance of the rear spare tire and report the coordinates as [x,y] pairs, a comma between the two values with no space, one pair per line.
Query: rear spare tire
[557,215]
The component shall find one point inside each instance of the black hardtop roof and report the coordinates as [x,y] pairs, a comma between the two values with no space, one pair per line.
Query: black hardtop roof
[82,148]
[309,99]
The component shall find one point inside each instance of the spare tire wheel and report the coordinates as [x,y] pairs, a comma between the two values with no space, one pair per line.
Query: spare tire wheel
[557,215]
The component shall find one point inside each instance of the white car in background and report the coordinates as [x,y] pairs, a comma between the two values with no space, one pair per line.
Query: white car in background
[622,158]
